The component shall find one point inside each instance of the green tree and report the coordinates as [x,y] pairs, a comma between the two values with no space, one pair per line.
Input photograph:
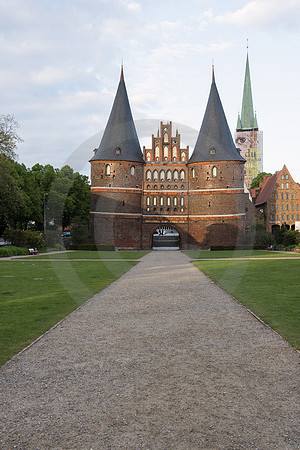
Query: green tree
[256,181]
[9,139]
[259,236]
[12,196]
[68,198]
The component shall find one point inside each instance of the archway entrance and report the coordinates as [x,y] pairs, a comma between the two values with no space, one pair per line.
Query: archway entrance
[165,238]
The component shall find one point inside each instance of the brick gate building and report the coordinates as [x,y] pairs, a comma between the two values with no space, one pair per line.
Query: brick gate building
[135,193]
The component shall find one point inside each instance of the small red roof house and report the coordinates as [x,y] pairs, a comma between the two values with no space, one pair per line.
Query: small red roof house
[278,200]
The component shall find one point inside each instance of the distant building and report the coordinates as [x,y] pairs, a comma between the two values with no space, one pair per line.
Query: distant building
[138,198]
[248,137]
[278,200]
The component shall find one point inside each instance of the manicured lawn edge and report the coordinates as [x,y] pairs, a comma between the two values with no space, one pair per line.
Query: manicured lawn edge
[268,289]
[207,254]
[34,297]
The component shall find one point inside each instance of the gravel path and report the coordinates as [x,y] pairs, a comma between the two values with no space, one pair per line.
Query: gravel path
[160,359]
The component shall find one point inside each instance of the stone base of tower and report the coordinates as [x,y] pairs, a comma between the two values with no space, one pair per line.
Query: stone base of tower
[205,233]
[122,232]
[137,232]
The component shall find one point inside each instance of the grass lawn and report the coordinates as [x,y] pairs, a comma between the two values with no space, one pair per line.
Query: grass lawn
[35,296]
[207,254]
[86,254]
[271,289]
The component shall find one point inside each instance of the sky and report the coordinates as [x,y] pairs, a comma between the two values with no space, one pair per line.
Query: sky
[60,68]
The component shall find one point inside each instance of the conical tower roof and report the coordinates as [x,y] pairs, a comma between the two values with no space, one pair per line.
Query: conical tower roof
[248,118]
[119,141]
[214,141]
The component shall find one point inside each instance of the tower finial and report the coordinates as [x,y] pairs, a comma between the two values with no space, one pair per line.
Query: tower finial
[213,72]
[122,73]
[247,44]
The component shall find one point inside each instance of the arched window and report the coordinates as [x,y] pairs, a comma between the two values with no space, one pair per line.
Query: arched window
[166,153]
[107,169]
[156,153]
[132,170]
[154,201]
[162,175]
[169,175]
[155,175]
[182,175]
[148,201]
[286,177]
[282,185]
[282,177]
[193,173]
[287,185]
[166,137]
[175,201]
[174,153]
[181,201]
[214,172]
[168,201]
[183,156]
[148,175]
[175,175]
[161,201]
[148,156]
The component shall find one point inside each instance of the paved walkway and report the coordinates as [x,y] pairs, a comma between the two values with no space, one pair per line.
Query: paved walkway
[160,359]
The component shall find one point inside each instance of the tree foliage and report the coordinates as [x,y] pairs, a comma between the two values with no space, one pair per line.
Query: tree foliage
[30,197]
[9,139]
[258,236]
[256,181]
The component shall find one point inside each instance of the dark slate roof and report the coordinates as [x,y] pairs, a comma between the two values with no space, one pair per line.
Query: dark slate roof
[215,134]
[267,189]
[119,141]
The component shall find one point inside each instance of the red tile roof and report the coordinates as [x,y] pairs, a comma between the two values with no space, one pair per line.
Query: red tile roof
[267,189]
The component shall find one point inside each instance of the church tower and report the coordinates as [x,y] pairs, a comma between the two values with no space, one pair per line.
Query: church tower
[216,181]
[248,137]
[117,169]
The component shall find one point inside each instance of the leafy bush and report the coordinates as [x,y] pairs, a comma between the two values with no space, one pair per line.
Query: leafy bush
[53,238]
[24,238]
[290,238]
[259,237]
[10,250]
[237,247]
[286,239]
[93,247]
[80,233]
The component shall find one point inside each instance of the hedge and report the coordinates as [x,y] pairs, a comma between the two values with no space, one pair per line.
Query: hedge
[93,247]
[24,238]
[237,247]
[10,250]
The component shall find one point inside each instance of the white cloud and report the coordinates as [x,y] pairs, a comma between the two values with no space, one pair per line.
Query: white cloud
[49,75]
[133,6]
[171,51]
[259,11]
[171,25]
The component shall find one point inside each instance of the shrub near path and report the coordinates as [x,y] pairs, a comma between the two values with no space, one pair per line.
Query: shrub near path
[86,254]
[35,296]
[269,288]
[207,254]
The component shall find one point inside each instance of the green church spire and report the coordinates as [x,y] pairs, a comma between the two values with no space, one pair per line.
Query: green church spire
[247,120]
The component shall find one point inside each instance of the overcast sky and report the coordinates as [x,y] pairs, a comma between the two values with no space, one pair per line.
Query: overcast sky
[60,65]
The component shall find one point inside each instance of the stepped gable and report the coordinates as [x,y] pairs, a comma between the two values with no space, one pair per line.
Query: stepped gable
[267,188]
[214,141]
[120,141]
